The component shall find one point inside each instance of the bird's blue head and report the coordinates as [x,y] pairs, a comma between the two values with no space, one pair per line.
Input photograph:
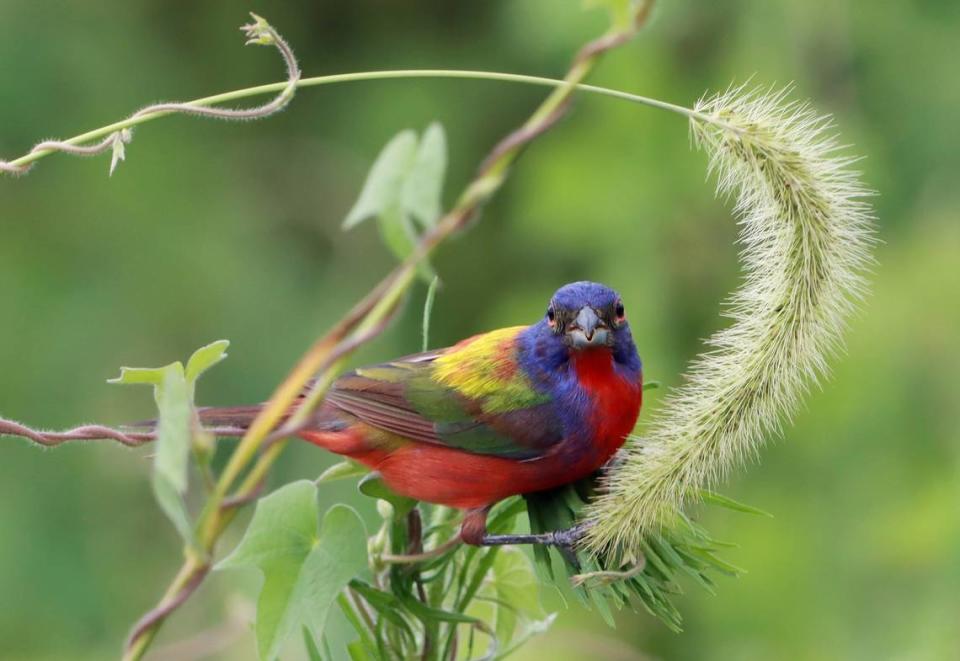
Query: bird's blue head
[582,316]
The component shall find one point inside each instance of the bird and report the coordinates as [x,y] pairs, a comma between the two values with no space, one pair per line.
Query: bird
[511,411]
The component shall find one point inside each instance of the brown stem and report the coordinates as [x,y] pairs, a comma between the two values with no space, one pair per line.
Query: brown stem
[393,559]
[361,607]
[192,575]
[84,433]
[96,433]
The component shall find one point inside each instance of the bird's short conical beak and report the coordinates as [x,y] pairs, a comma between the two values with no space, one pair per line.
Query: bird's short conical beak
[587,329]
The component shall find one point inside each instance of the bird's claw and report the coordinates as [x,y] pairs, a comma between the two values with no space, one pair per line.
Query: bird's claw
[569,537]
[565,541]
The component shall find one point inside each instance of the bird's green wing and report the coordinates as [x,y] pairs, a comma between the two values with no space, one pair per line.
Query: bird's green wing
[473,396]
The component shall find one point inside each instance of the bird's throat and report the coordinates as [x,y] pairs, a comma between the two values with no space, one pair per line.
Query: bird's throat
[594,367]
[615,398]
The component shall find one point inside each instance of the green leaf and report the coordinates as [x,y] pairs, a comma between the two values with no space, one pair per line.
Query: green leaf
[386,604]
[714,498]
[518,593]
[423,186]
[720,565]
[403,186]
[366,641]
[373,485]
[429,614]
[304,570]
[174,398]
[171,502]
[204,358]
[397,231]
[358,652]
[175,403]
[650,385]
[342,470]
[313,652]
[384,183]
[399,236]
[152,376]
[509,598]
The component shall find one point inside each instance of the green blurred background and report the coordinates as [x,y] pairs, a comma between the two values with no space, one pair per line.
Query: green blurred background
[214,230]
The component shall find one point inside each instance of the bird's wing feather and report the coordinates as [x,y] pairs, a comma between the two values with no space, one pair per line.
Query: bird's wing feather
[473,396]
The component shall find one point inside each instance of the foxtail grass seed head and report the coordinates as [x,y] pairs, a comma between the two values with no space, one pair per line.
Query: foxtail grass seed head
[806,232]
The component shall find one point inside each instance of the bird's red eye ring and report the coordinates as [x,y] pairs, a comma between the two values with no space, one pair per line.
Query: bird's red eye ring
[619,311]
[551,316]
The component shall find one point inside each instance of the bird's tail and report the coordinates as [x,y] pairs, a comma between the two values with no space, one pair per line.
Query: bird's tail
[327,429]
[228,417]
[220,421]
[235,420]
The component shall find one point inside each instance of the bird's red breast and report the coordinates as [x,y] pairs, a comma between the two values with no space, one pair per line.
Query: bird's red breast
[616,400]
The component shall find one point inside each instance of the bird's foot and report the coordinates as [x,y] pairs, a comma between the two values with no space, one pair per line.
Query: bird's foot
[474,531]
[567,538]
[565,541]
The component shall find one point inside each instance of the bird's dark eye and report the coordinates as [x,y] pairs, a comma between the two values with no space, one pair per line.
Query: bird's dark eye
[551,315]
[619,311]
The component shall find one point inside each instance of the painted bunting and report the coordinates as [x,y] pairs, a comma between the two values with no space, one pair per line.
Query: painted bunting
[512,411]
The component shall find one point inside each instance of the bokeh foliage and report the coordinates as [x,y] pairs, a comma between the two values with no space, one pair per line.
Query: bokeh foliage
[213,230]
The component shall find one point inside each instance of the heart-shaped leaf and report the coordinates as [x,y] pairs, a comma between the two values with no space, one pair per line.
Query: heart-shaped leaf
[404,187]
[304,569]
[384,182]
[423,186]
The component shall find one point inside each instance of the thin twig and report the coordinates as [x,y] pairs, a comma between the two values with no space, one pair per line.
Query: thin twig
[96,433]
[259,32]
[83,433]
[244,498]
[412,558]
[144,115]
[211,642]
[361,607]
[609,576]
[169,603]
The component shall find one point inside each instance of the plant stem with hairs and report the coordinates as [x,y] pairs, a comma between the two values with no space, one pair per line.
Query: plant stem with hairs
[120,133]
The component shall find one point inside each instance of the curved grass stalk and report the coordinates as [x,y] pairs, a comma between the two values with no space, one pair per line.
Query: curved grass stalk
[285,88]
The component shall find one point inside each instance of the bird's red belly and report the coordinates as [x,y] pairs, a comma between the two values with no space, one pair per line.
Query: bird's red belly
[445,476]
[448,476]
